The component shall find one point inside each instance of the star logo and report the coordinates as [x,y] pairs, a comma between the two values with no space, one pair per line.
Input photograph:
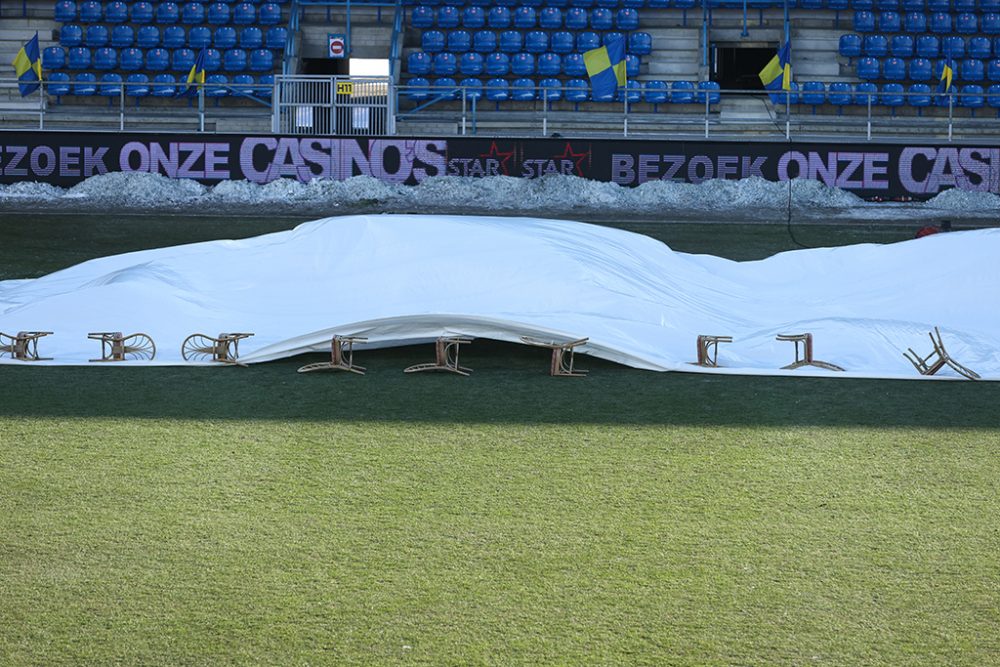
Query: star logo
[501,157]
[577,158]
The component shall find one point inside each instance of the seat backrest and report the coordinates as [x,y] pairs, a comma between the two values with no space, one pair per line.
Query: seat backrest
[157,60]
[71,35]
[174,37]
[244,14]
[459,41]
[224,37]
[142,12]
[167,12]
[432,41]
[97,35]
[573,65]
[525,17]
[497,64]
[193,13]
[183,60]
[444,64]
[199,37]
[105,58]
[522,64]
[418,63]
[277,37]
[473,17]
[65,11]
[124,35]
[497,90]
[261,60]
[90,12]
[116,12]
[510,41]
[79,57]
[550,18]
[536,41]
[269,14]
[53,57]
[549,64]
[499,17]
[587,40]
[471,63]
[218,13]
[448,17]
[920,69]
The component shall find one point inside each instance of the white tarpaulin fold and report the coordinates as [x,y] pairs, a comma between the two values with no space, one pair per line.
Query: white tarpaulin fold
[400,279]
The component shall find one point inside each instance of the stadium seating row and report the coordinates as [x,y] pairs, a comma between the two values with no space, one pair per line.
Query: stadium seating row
[882,5]
[841,94]
[925,46]
[548,18]
[940,23]
[173,37]
[161,85]
[574,90]
[500,64]
[156,60]
[586,4]
[922,69]
[534,41]
[190,13]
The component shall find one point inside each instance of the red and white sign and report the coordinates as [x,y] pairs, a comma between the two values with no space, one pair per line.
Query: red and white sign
[337,46]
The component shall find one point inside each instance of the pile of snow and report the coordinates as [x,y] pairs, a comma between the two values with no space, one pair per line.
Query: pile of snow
[552,195]
[401,279]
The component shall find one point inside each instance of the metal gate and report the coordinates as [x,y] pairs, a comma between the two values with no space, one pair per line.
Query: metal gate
[342,105]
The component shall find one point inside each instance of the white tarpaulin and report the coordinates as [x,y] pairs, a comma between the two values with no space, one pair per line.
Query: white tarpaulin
[400,279]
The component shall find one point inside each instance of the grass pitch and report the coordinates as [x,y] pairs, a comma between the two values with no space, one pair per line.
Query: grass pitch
[256,516]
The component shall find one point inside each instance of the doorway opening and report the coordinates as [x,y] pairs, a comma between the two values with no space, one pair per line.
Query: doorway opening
[739,68]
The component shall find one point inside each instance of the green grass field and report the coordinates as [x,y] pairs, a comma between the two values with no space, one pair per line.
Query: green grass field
[193,516]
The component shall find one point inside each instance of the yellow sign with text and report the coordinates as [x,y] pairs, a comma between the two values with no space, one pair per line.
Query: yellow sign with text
[345,88]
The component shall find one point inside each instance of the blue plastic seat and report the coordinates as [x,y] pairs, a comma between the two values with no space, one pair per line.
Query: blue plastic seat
[587,40]
[889,22]
[920,95]
[422,16]
[631,66]
[510,41]
[85,84]
[894,69]
[497,90]
[953,46]
[656,92]
[869,68]
[640,43]
[522,64]
[562,42]
[915,22]
[523,90]
[141,13]
[601,19]
[901,46]
[90,12]
[536,41]
[97,35]
[576,18]
[110,85]
[887,5]
[996,47]
[418,63]
[913,5]
[549,65]
[497,64]
[471,88]
[627,19]
[813,93]
[864,21]
[967,23]
[418,89]
[499,18]
[876,45]
[484,41]
[938,5]
[174,37]
[58,84]
[105,58]
[65,11]
[131,59]
[277,37]
[633,91]
[261,60]
[78,57]
[573,65]
[182,60]
[213,60]
[444,64]
[971,70]
[116,12]
[459,41]
[470,64]
[53,58]
[124,35]
[550,90]
[216,85]
[550,18]
[163,86]
[244,14]
[836,5]
[849,45]
[199,37]
[812,4]
[265,86]
[993,69]
[448,17]
[971,96]
[681,92]
[940,22]
[577,90]
[992,96]
[473,18]
[157,60]
[921,69]
[137,85]
[840,94]
[892,96]
[168,12]
[864,93]
[963,5]
[928,46]
[444,88]
[218,13]
[988,6]
[71,35]
[224,37]
[525,18]
[991,23]
[709,88]
[251,37]
[269,14]
[243,85]
[193,13]
[234,60]
[432,41]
